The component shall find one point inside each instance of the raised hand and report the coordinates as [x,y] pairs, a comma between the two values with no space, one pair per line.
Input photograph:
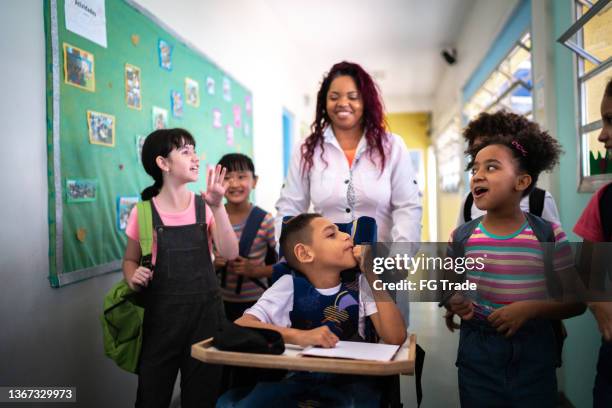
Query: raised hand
[215,186]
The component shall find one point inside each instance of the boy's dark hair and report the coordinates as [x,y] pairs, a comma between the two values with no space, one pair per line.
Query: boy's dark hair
[534,149]
[160,143]
[608,91]
[295,231]
[237,162]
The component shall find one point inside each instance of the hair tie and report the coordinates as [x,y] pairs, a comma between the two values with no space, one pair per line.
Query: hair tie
[519,147]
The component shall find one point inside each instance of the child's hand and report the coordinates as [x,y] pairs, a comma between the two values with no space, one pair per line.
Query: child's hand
[215,186]
[140,278]
[362,253]
[243,266]
[321,336]
[220,262]
[603,314]
[450,323]
[508,319]
[461,306]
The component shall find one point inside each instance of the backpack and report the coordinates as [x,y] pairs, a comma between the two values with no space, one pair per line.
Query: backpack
[252,225]
[536,204]
[544,232]
[123,310]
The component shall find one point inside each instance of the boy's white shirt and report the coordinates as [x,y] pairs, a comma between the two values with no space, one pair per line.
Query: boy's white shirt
[274,306]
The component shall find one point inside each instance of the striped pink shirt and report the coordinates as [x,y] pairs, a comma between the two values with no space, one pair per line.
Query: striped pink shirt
[250,292]
[514,264]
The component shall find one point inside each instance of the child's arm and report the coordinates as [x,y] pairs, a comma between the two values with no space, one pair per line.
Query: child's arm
[388,321]
[223,233]
[510,318]
[321,336]
[135,275]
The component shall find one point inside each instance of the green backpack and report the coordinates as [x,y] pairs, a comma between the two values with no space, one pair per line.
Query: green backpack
[123,310]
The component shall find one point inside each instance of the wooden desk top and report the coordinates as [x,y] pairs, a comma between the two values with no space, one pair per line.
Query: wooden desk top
[402,363]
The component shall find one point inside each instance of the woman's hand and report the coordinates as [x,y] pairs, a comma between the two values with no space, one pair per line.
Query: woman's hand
[140,278]
[510,318]
[215,186]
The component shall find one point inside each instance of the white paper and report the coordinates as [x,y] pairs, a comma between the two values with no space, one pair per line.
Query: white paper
[355,350]
[87,18]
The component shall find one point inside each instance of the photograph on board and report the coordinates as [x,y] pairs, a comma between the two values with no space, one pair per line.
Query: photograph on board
[132,87]
[101,128]
[79,68]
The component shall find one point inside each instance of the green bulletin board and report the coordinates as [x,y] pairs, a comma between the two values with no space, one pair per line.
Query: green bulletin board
[100,106]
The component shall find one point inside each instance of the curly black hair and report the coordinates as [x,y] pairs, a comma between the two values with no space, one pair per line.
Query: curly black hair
[534,149]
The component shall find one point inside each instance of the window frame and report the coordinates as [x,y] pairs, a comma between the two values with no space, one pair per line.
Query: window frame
[586,183]
[513,84]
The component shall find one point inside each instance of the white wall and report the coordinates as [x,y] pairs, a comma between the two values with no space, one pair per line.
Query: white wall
[246,39]
[481,27]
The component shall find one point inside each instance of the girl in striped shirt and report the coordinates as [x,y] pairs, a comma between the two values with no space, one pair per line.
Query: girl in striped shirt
[508,351]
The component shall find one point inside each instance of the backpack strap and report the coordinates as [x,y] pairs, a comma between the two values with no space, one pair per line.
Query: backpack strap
[605,211]
[543,230]
[456,249]
[145,232]
[249,233]
[467,207]
[536,201]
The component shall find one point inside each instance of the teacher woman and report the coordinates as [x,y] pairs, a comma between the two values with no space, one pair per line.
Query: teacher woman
[350,166]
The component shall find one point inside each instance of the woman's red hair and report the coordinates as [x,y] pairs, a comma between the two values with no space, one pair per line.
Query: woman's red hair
[372,121]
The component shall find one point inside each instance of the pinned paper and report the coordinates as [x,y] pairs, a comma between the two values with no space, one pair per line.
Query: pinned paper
[176,100]
[160,118]
[124,207]
[237,116]
[217,118]
[248,104]
[81,190]
[210,85]
[192,92]
[229,135]
[79,68]
[165,55]
[87,18]
[227,90]
[132,87]
[101,128]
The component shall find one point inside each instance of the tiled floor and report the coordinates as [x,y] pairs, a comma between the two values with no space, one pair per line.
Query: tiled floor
[439,372]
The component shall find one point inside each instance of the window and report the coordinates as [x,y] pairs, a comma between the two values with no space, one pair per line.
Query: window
[508,87]
[449,150]
[590,38]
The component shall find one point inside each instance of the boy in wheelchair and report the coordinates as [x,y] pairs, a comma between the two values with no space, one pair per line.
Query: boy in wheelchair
[313,306]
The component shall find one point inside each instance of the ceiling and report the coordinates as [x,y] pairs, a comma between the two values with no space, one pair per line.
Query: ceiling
[398,41]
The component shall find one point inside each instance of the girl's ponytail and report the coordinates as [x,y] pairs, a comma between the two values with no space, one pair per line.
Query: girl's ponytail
[151,191]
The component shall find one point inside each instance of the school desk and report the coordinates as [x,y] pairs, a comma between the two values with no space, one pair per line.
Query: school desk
[402,363]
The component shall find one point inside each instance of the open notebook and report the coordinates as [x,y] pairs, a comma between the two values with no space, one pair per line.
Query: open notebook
[354,350]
